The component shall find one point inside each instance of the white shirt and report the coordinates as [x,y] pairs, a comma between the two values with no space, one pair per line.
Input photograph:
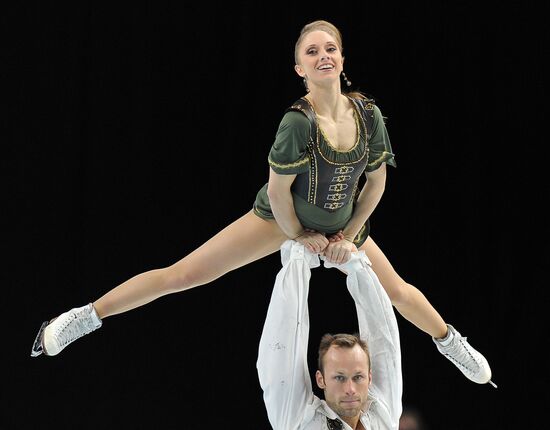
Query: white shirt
[282,360]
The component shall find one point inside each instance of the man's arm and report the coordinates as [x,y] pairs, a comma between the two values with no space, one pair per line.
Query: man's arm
[378,326]
[282,360]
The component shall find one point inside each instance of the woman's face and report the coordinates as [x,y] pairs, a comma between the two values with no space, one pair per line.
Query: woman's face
[320,58]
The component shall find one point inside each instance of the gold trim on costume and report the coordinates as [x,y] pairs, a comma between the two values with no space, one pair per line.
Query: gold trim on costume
[333,205]
[336,197]
[290,165]
[313,179]
[359,236]
[343,170]
[359,129]
[384,157]
[341,178]
[338,187]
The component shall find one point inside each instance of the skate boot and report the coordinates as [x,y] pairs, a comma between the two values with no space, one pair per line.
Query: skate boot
[469,361]
[54,336]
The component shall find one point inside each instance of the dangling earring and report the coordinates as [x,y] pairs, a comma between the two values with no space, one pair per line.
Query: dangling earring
[305,85]
[348,83]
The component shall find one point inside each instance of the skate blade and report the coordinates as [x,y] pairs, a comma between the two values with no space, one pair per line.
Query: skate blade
[37,347]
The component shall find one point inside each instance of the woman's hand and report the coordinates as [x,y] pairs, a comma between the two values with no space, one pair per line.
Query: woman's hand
[314,241]
[339,252]
[336,237]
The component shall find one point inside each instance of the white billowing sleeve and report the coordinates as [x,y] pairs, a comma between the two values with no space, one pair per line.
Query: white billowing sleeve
[282,360]
[378,326]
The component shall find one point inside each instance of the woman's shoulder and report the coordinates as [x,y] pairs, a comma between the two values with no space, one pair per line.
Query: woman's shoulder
[368,103]
[294,117]
[362,99]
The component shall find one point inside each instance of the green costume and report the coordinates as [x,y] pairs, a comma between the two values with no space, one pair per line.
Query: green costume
[326,185]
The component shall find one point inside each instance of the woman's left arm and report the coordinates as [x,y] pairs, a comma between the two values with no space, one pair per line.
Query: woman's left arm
[366,203]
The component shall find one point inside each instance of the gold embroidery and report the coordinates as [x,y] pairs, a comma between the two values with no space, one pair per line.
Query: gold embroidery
[359,129]
[343,170]
[333,205]
[341,178]
[314,174]
[290,165]
[383,157]
[336,197]
[338,187]
[360,235]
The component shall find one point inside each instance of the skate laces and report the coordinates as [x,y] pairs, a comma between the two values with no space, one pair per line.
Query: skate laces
[460,352]
[77,324]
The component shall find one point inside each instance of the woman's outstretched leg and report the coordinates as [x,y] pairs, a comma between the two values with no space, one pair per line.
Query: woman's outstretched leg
[247,239]
[407,299]
[416,308]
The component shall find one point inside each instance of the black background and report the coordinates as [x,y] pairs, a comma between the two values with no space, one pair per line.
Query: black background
[137,132]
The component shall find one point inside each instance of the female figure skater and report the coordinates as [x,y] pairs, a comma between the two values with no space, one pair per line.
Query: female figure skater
[324,143]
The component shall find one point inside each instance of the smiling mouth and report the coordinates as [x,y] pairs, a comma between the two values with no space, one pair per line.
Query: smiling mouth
[325,67]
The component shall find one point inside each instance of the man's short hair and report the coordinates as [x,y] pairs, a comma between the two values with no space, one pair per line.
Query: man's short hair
[342,340]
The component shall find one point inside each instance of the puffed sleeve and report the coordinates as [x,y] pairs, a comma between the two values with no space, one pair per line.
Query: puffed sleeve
[380,150]
[288,154]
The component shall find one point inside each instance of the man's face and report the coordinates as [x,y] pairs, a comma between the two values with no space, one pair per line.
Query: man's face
[346,379]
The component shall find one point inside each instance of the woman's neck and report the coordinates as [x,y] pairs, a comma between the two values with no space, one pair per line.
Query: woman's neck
[327,102]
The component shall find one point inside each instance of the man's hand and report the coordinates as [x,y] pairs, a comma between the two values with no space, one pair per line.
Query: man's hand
[339,252]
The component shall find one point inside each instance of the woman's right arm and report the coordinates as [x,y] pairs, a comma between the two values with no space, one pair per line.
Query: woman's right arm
[282,206]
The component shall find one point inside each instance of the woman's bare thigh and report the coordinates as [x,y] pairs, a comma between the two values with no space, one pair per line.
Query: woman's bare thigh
[387,275]
[247,239]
